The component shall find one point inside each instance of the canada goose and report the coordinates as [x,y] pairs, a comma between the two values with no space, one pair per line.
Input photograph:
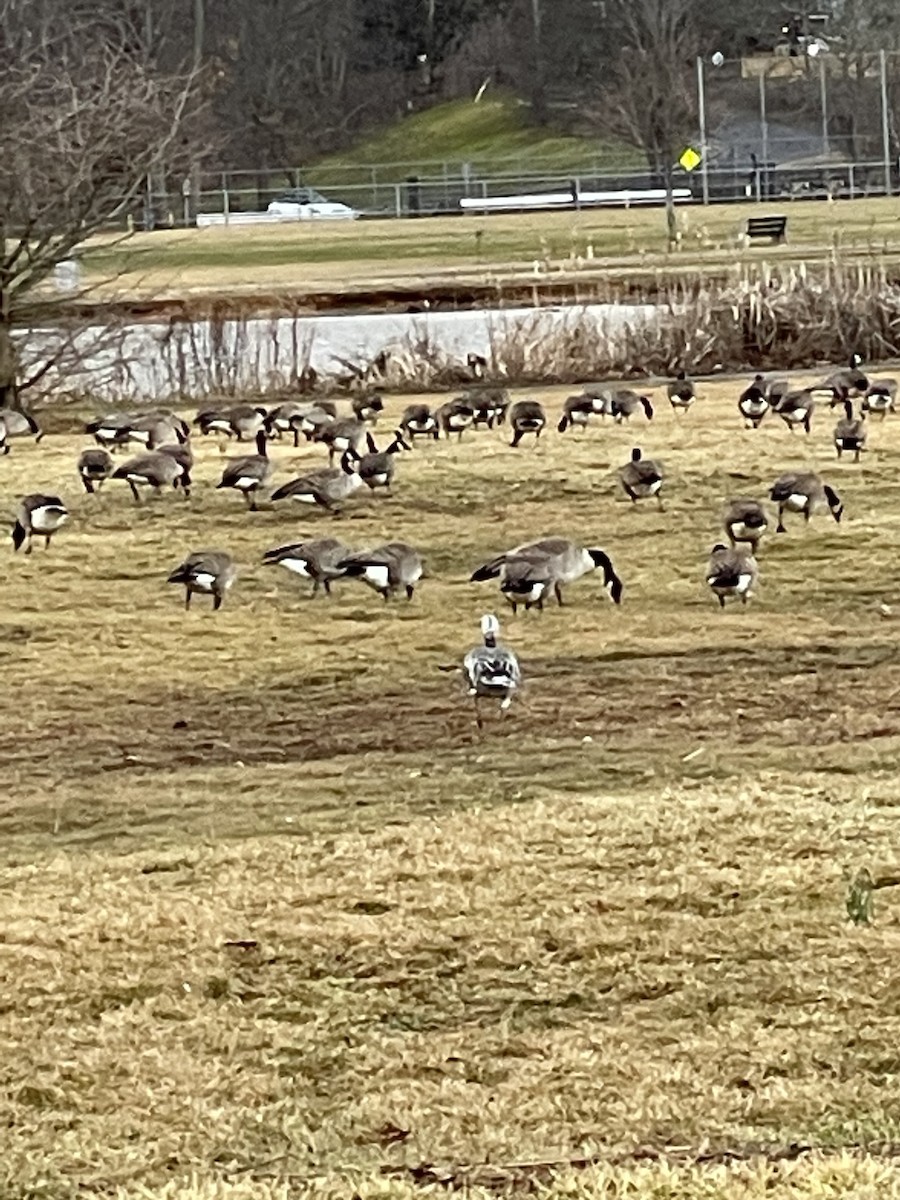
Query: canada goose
[419,421]
[491,670]
[327,487]
[184,456]
[250,473]
[315,419]
[477,365]
[20,424]
[526,572]
[287,418]
[242,421]
[316,559]
[840,385]
[367,407]
[153,430]
[776,389]
[489,406]
[880,397]
[111,430]
[578,410]
[745,521]
[387,568]
[681,392]
[210,572]
[624,403]
[803,492]
[341,436]
[95,466]
[753,403]
[38,514]
[456,416]
[642,478]
[796,409]
[731,571]
[376,469]
[526,416]
[153,469]
[850,433]
[4,444]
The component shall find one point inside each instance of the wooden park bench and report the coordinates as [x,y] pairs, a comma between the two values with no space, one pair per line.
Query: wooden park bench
[773,228]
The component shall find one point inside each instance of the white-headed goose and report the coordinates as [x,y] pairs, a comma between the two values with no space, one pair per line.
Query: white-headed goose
[387,568]
[526,416]
[753,403]
[328,488]
[491,670]
[796,409]
[38,514]
[250,473]
[804,492]
[642,478]
[208,572]
[95,466]
[316,559]
[880,397]
[528,571]
[681,392]
[731,572]
[745,521]
[850,433]
[153,469]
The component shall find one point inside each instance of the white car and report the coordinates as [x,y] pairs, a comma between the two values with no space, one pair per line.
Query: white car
[306,204]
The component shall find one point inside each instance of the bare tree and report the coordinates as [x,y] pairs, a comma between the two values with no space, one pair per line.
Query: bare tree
[650,96]
[84,121]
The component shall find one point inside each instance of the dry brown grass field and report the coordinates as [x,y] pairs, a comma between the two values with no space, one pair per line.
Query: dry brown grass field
[277,920]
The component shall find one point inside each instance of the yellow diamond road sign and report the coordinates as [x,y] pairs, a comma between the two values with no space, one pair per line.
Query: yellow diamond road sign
[690,159]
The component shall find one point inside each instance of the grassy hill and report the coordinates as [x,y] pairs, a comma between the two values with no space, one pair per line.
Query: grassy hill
[492,135]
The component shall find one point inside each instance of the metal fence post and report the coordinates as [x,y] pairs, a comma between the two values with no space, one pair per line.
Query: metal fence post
[763,133]
[823,88]
[701,116]
[885,123]
[226,207]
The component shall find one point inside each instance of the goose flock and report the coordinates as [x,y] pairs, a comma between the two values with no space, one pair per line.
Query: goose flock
[153,453]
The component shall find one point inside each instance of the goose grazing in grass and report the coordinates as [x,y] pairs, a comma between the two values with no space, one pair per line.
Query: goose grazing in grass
[4,443]
[153,469]
[492,671]
[387,568]
[250,473]
[316,559]
[776,389]
[317,418]
[419,421]
[111,431]
[753,403]
[95,466]
[156,429]
[850,433]
[38,514]
[681,392]
[578,410]
[207,572]
[489,406]
[184,456]
[242,421]
[528,571]
[376,469]
[327,488]
[368,407]
[745,522]
[796,409]
[456,416]
[642,478]
[20,424]
[842,384]
[880,397]
[341,436]
[287,418]
[732,572]
[526,416]
[804,492]
[624,403]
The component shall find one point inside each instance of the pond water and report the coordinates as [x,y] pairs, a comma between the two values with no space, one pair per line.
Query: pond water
[179,359]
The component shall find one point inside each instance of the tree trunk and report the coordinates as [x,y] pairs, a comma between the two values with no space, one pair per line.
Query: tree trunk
[538,85]
[9,391]
[671,227]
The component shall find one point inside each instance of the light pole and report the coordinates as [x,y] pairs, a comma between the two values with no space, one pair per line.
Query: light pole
[885,124]
[813,50]
[701,117]
[763,174]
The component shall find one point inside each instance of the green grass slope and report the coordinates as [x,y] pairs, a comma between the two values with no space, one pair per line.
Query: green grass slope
[494,134]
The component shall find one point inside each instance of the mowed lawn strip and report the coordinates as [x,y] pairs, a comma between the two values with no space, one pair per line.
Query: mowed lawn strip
[274,914]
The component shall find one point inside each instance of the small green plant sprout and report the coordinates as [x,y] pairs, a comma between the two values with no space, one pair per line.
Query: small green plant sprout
[860,905]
